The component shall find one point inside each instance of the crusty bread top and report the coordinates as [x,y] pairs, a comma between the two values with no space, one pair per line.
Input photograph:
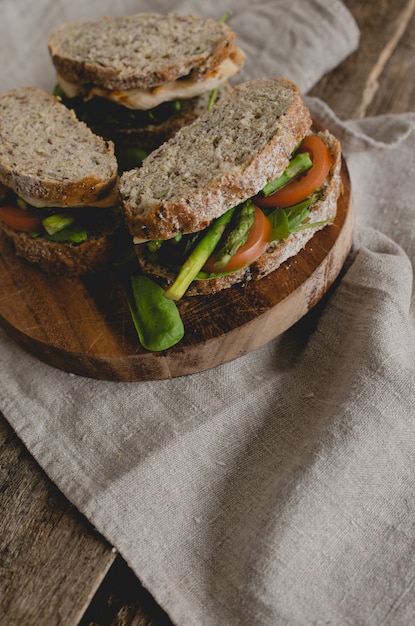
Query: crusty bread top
[47,155]
[323,208]
[141,50]
[226,156]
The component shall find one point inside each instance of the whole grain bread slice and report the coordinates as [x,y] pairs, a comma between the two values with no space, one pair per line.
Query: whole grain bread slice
[323,208]
[48,157]
[226,156]
[142,50]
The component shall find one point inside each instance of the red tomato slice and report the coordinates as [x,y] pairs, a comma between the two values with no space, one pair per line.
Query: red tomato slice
[20,219]
[305,184]
[258,239]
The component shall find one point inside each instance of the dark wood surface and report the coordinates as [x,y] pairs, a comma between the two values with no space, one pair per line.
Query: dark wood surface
[54,568]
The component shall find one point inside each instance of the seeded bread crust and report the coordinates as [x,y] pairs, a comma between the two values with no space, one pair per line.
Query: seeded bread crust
[226,156]
[67,259]
[278,251]
[47,155]
[142,50]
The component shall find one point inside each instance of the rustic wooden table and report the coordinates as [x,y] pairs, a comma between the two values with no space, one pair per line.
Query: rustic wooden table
[54,568]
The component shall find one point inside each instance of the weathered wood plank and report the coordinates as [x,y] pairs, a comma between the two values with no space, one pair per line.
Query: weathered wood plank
[396,85]
[51,560]
[371,80]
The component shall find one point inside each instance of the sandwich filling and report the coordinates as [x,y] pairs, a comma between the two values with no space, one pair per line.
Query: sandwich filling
[68,225]
[242,234]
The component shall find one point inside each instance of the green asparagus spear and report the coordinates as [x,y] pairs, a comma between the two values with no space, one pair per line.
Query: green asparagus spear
[198,257]
[238,235]
[58,221]
[76,234]
[299,164]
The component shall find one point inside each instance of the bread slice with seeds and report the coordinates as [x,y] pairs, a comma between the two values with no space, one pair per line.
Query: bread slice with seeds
[52,165]
[226,156]
[137,79]
[49,157]
[218,162]
[322,211]
[144,50]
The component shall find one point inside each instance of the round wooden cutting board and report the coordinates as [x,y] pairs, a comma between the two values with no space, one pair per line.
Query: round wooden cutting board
[84,325]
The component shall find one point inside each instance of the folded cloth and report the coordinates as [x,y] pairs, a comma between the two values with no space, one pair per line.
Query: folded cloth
[278,488]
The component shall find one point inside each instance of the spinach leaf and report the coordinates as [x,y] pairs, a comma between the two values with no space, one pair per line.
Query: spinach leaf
[156,319]
[286,221]
[292,220]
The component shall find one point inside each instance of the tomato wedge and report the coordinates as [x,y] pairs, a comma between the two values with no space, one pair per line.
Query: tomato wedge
[305,184]
[258,239]
[20,219]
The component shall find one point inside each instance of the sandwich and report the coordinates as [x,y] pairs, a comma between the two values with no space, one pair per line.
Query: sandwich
[58,185]
[137,79]
[235,194]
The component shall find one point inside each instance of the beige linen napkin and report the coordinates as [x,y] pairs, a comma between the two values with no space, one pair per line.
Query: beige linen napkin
[278,488]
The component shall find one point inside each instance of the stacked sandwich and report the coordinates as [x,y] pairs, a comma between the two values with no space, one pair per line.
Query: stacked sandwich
[137,79]
[235,194]
[58,185]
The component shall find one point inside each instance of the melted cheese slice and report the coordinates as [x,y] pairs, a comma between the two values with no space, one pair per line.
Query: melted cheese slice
[181,89]
[138,240]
